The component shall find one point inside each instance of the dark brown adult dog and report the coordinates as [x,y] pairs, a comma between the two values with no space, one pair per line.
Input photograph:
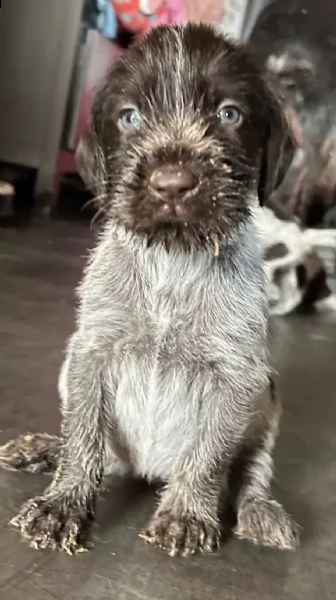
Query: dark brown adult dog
[167,375]
[297,41]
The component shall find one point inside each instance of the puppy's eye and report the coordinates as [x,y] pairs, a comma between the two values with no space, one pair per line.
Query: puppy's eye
[130,118]
[230,115]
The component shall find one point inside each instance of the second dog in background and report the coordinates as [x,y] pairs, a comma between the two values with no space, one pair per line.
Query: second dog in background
[297,41]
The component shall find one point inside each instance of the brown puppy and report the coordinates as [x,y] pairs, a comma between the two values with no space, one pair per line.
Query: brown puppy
[167,375]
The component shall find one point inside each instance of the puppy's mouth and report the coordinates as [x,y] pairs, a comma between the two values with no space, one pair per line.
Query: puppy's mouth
[184,201]
[182,195]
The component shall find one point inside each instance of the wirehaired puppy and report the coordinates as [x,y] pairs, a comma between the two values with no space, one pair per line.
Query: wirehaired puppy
[167,375]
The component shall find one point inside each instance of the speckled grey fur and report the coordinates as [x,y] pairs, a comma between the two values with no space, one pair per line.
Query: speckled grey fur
[174,336]
[165,377]
[167,374]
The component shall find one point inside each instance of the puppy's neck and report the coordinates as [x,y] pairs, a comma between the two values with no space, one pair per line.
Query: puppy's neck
[209,248]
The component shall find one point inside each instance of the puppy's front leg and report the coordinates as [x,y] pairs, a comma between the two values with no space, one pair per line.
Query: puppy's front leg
[187,517]
[60,518]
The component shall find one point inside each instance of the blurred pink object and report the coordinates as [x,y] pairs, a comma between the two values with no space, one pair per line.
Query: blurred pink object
[177,10]
[104,54]
[205,11]
[140,16]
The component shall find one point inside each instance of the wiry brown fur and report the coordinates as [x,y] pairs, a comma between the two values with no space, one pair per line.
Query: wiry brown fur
[228,163]
[167,373]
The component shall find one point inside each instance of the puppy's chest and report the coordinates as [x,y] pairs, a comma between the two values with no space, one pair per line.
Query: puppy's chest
[180,338]
[165,316]
[162,330]
[158,398]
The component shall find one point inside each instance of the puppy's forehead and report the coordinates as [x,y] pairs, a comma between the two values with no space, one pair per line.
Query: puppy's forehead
[187,61]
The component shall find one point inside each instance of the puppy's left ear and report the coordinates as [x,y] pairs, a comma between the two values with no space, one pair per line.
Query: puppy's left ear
[278,148]
[90,161]
[90,155]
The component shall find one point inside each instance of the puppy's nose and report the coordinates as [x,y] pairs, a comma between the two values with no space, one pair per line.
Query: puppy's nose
[172,180]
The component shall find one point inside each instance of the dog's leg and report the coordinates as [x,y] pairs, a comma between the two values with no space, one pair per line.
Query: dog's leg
[60,518]
[31,452]
[260,518]
[187,518]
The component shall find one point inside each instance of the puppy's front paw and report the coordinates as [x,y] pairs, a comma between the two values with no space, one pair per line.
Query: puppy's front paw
[265,521]
[183,535]
[52,524]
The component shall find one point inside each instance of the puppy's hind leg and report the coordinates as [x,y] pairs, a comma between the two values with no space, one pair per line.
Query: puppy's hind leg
[31,452]
[260,518]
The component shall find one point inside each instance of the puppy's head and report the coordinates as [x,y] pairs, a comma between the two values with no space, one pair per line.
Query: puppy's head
[183,133]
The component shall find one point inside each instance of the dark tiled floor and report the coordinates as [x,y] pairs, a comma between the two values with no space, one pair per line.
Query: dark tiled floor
[38,271]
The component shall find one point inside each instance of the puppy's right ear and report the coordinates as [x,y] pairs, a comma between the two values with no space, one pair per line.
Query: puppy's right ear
[91,162]
[278,148]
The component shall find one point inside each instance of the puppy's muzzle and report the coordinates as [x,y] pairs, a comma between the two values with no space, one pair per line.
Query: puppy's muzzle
[172,185]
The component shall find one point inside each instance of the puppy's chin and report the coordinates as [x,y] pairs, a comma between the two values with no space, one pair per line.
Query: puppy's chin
[181,236]
[187,233]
